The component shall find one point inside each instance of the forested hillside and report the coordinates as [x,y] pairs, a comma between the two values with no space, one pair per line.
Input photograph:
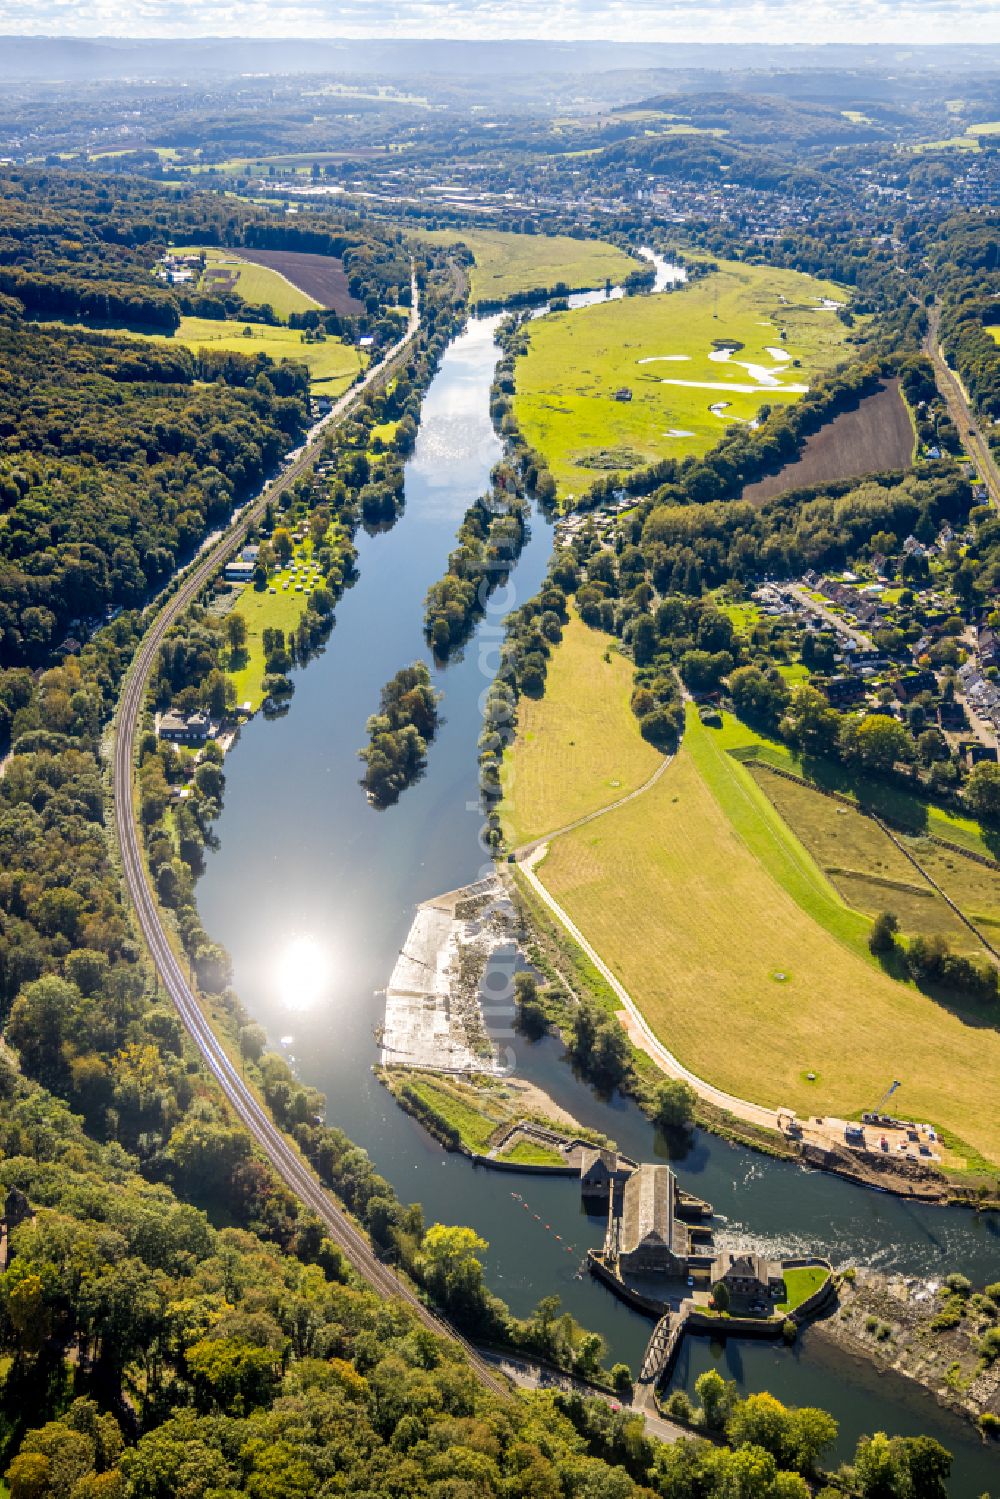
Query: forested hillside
[115,459]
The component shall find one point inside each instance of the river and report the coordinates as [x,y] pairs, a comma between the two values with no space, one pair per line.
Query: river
[313,891]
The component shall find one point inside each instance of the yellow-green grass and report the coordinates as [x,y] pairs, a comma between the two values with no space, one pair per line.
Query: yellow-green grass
[748,965]
[527,1154]
[470,1119]
[578,748]
[994,331]
[263,610]
[906,812]
[509,265]
[872,874]
[952,143]
[332,365]
[576,361]
[254,283]
[801,1282]
[967,142]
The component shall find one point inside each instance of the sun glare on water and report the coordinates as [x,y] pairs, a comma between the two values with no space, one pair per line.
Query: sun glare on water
[303,973]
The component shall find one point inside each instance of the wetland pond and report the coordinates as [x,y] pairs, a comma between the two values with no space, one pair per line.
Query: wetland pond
[313,891]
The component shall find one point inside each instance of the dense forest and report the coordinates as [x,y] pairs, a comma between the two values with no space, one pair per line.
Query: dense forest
[115,459]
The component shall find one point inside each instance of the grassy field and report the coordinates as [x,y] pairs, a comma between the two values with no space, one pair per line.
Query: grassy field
[332,365]
[906,812]
[509,265]
[801,1282]
[968,142]
[254,283]
[263,610]
[661,348]
[749,966]
[871,874]
[578,748]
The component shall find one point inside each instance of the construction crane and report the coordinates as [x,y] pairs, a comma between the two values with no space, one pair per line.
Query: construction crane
[885,1097]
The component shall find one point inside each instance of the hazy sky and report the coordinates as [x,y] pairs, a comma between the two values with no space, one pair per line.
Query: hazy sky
[917,21]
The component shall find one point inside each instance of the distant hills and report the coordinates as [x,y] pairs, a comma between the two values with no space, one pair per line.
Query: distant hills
[65,59]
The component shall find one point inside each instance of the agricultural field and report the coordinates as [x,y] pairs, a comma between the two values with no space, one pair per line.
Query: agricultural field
[695,360]
[514,265]
[332,365]
[227,270]
[970,141]
[872,875]
[578,748]
[321,278]
[876,437]
[907,813]
[750,967]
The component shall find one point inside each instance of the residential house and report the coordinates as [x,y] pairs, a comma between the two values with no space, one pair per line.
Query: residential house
[184,728]
[239,571]
[752,1281]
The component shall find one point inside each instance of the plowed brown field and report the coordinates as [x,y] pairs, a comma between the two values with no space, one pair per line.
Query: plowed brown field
[873,438]
[321,277]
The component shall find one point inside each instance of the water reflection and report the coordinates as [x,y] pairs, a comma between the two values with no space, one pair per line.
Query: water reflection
[302,974]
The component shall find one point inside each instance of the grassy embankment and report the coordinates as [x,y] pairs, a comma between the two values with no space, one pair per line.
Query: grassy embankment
[578,748]
[511,265]
[565,402]
[254,283]
[471,1110]
[748,964]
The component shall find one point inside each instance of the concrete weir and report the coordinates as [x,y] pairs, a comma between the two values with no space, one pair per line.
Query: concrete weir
[433,1016]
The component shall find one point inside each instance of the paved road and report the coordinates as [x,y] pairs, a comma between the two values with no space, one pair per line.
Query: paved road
[530,1375]
[837,622]
[284,1157]
[959,410]
[638,1028]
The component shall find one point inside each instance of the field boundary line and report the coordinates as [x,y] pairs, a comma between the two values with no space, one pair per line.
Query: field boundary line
[741,1108]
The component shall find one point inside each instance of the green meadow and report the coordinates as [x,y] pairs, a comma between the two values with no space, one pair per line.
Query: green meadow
[332,365]
[668,351]
[509,265]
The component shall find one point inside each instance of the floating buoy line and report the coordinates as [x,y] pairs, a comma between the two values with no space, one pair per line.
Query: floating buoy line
[569,1248]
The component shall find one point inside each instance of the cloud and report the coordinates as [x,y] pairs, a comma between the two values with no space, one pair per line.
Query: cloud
[913,22]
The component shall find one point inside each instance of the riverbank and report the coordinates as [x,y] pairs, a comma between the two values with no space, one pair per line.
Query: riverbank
[945,1340]
[301,855]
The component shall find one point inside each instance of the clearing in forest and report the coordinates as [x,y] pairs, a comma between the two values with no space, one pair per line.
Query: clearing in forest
[515,265]
[687,363]
[233,271]
[578,748]
[332,365]
[750,968]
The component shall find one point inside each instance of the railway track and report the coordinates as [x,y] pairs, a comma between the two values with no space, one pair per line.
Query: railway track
[297,1175]
[959,409]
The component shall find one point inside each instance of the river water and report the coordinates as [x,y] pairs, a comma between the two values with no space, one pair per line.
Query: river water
[313,891]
